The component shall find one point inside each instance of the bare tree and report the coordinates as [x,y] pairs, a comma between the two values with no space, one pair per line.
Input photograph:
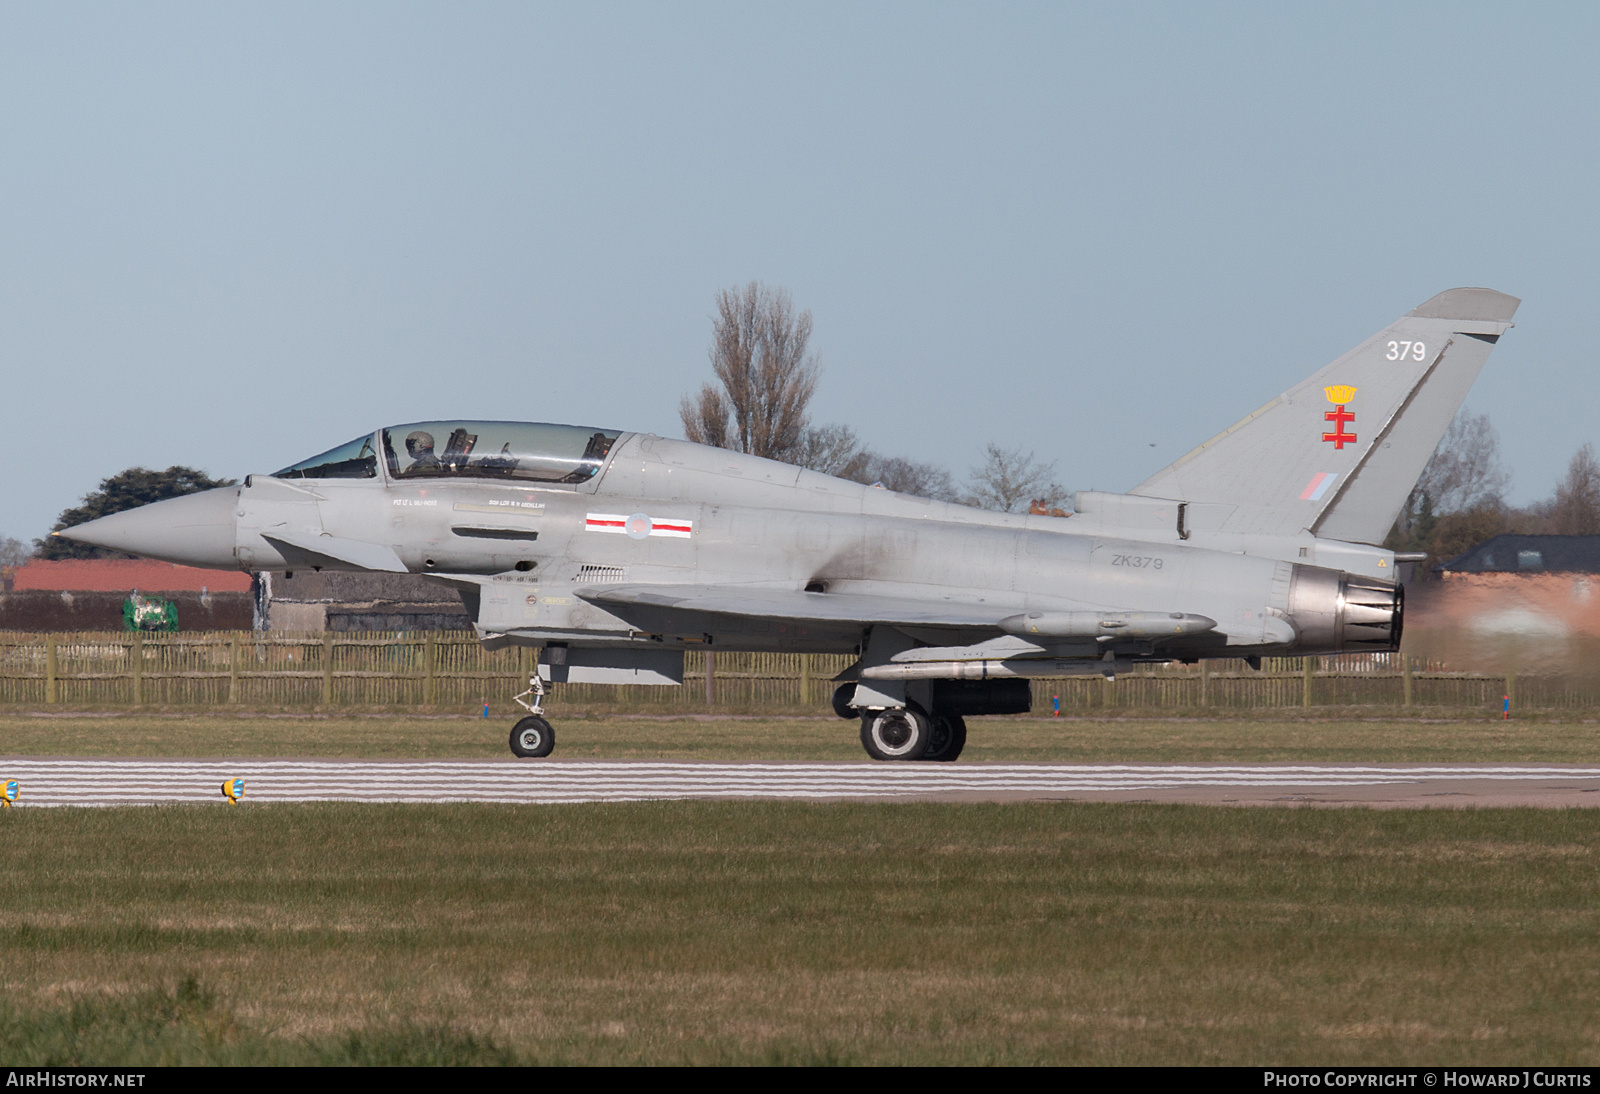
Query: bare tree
[758,351]
[1464,473]
[1010,479]
[1456,533]
[923,480]
[1458,499]
[705,417]
[831,449]
[836,450]
[1576,511]
[13,552]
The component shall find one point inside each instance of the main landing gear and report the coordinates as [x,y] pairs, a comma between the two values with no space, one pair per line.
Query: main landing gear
[905,733]
[532,737]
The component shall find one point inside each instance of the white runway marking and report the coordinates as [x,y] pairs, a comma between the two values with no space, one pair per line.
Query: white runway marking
[120,782]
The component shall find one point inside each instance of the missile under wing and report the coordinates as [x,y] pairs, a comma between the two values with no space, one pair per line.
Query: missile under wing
[613,552]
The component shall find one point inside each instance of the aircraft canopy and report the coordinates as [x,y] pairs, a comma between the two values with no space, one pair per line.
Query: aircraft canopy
[496,450]
[357,459]
[527,451]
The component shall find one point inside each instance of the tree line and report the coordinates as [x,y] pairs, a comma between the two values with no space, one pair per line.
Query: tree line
[766,375]
[1460,499]
[765,379]
[759,404]
[125,490]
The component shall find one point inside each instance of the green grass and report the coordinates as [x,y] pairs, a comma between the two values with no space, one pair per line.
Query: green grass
[777,932]
[787,933]
[187,1024]
[1262,737]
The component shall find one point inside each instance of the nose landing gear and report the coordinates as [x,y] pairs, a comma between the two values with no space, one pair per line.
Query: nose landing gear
[532,737]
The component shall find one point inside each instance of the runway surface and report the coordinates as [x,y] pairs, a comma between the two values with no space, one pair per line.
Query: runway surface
[111,781]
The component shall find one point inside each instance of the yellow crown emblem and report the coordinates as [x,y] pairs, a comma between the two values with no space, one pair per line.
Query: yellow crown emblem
[1339,394]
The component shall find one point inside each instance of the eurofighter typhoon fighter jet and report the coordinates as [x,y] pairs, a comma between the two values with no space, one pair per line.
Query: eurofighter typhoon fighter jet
[613,552]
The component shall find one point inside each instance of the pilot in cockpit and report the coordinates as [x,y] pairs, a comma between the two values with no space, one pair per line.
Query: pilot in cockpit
[419,446]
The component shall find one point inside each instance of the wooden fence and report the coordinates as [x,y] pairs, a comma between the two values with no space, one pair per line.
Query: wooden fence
[257,671]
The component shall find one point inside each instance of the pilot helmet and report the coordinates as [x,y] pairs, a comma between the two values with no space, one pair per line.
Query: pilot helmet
[418,439]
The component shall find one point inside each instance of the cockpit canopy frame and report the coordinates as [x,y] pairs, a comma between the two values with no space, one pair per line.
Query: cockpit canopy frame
[522,452]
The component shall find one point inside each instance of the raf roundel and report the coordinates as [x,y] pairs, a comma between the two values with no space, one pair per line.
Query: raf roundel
[639,525]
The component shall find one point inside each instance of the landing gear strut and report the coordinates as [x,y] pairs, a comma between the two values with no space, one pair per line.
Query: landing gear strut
[532,737]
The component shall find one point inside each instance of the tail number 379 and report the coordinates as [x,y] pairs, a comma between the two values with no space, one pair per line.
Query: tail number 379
[1399,351]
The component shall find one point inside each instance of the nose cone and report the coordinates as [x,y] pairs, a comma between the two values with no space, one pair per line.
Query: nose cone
[194,530]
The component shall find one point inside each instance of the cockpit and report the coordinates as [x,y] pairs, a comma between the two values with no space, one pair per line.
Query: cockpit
[517,451]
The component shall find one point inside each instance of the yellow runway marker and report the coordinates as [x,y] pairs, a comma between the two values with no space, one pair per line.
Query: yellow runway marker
[233,790]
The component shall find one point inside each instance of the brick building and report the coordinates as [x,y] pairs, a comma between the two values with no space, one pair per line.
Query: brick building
[1517,554]
[1523,603]
[88,595]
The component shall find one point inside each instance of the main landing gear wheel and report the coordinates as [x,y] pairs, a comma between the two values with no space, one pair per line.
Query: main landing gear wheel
[895,734]
[946,739]
[532,737]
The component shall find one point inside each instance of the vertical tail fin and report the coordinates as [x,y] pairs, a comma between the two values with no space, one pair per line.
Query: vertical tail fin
[1337,453]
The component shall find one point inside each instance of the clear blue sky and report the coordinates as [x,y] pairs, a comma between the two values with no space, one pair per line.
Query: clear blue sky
[233,235]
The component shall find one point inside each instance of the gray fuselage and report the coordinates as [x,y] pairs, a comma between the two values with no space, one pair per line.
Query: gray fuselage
[530,558]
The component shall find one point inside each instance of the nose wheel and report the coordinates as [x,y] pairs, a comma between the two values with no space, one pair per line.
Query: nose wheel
[532,737]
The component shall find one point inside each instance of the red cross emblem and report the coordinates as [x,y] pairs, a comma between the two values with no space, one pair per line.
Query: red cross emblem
[1339,416]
